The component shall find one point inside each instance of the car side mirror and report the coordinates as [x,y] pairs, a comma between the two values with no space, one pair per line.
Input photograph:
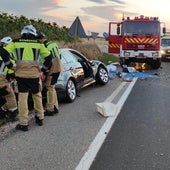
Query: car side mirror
[91,63]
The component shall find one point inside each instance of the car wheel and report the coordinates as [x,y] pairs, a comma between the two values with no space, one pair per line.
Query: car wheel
[102,76]
[71,91]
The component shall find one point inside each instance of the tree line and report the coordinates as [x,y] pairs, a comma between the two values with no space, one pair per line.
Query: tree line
[11,25]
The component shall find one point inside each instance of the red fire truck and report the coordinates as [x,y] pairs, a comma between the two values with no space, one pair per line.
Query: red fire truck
[136,40]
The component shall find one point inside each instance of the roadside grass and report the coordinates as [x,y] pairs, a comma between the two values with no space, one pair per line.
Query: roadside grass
[109,58]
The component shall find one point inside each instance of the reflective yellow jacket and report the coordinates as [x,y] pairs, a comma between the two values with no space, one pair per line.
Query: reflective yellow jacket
[27,53]
[56,64]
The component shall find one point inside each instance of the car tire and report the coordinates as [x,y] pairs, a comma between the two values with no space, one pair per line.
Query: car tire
[71,91]
[102,76]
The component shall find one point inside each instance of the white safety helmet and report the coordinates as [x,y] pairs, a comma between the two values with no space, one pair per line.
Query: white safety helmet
[29,29]
[6,40]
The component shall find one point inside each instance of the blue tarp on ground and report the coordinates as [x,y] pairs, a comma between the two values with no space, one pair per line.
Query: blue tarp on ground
[139,75]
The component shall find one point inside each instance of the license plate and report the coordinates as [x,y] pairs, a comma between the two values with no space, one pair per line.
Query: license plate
[141,46]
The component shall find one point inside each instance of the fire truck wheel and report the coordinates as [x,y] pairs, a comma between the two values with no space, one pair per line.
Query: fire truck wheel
[155,64]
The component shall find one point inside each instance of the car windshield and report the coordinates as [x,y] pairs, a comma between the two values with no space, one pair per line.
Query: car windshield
[141,28]
[165,42]
[67,57]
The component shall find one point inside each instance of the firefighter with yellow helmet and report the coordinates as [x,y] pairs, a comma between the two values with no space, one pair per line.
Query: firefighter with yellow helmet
[9,105]
[27,72]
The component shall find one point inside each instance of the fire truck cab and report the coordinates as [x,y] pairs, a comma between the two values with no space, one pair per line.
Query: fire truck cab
[136,40]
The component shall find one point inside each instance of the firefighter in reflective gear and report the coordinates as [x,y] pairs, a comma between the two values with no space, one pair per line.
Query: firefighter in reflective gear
[10,74]
[51,78]
[27,72]
[8,99]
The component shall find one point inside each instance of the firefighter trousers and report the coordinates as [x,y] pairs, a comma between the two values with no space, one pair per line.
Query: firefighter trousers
[52,99]
[7,93]
[23,107]
[26,85]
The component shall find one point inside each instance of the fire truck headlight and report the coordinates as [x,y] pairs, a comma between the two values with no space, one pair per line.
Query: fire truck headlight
[155,54]
[126,54]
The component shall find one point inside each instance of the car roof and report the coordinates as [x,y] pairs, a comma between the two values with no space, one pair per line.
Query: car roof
[68,49]
[65,49]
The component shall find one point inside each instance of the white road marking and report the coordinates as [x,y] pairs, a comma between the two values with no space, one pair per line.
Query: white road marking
[94,147]
[116,92]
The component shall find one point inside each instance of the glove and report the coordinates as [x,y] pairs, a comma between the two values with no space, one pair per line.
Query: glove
[45,72]
[10,76]
[54,78]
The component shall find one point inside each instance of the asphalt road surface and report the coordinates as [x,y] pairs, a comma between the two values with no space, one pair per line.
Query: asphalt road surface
[63,139]
[138,139]
[140,136]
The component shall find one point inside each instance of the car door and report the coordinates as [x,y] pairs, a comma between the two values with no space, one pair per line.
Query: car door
[87,67]
[71,67]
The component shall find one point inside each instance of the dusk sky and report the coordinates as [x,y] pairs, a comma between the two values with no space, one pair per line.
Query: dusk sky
[94,14]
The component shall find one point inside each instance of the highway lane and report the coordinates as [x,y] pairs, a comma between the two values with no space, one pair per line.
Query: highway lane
[63,139]
[140,136]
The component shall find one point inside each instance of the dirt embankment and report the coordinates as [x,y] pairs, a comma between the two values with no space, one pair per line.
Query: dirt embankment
[87,47]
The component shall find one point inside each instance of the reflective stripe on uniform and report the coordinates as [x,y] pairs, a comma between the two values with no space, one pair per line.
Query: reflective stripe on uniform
[53,48]
[27,50]
[2,66]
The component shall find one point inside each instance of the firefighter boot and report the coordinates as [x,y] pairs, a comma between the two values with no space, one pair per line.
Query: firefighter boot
[49,113]
[38,121]
[22,127]
[56,110]
[13,115]
[3,113]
